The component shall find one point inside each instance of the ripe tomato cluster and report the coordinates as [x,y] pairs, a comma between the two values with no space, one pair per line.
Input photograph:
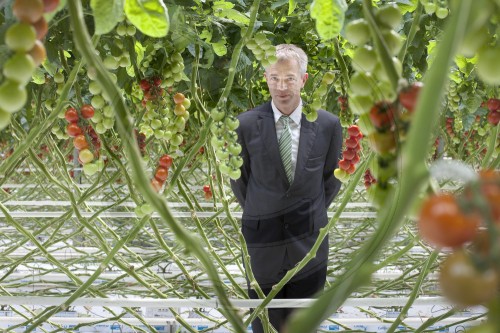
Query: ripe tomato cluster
[151,88]
[79,134]
[493,116]
[347,165]
[368,179]
[208,192]
[23,39]
[161,173]
[469,224]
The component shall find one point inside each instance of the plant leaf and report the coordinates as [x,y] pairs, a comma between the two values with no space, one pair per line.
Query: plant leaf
[107,13]
[149,16]
[329,16]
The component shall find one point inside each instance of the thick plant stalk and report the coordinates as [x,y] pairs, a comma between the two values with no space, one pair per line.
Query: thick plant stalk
[413,176]
[125,130]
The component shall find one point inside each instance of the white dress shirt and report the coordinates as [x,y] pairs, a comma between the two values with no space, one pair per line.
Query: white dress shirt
[294,124]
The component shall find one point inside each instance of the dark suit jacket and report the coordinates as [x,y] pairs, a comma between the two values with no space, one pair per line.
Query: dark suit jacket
[280,221]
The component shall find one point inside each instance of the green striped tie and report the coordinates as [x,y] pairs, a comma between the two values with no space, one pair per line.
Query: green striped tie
[285,145]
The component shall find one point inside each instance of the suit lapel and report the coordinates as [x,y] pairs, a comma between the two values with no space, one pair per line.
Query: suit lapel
[308,132]
[267,131]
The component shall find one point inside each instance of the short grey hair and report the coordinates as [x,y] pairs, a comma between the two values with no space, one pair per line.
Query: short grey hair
[290,51]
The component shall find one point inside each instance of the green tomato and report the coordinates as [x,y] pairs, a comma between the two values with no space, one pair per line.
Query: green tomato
[217,141]
[328,78]
[488,69]
[364,59]
[186,102]
[234,149]
[97,102]
[430,7]
[231,122]
[121,29]
[20,37]
[156,123]
[108,123]
[357,32]
[100,129]
[108,111]
[176,139]
[360,104]
[389,15]
[217,114]
[222,153]
[59,77]
[312,116]
[110,62]
[12,96]
[236,161]
[180,123]
[224,167]
[19,68]
[86,156]
[442,12]
[94,88]
[5,119]
[90,169]
[138,211]
[393,41]
[131,30]
[234,173]
[218,127]
[361,83]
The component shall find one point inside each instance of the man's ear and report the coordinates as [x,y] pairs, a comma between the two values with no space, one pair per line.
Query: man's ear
[304,78]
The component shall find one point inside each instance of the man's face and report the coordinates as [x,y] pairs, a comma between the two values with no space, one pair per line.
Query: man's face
[285,82]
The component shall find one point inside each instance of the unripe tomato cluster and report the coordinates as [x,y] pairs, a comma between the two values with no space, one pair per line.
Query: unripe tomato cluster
[347,165]
[225,142]
[104,116]
[80,142]
[318,97]
[23,39]
[173,70]
[162,119]
[263,50]
[469,224]
[440,8]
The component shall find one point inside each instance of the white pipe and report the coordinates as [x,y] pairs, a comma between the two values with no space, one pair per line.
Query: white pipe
[212,303]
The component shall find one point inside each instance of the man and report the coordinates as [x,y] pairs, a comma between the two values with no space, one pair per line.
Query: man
[286,183]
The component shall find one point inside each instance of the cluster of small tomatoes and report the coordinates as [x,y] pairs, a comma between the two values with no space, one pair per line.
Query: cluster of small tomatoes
[469,224]
[347,165]
[151,87]
[161,173]
[207,190]
[23,39]
[79,134]
[493,105]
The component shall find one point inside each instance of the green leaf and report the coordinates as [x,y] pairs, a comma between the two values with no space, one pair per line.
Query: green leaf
[291,6]
[39,76]
[149,16]
[107,13]
[234,15]
[220,48]
[221,5]
[329,16]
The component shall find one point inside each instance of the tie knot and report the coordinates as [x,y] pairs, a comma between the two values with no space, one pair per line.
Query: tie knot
[285,120]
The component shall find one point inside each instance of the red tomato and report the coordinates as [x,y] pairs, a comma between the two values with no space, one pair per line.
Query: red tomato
[165,161]
[443,224]
[80,142]
[161,174]
[351,169]
[493,117]
[408,97]
[464,284]
[73,130]
[490,189]
[71,115]
[355,159]
[208,195]
[382,115]
[179,98]
[353,130]
[493,104]
[156,184]
[344,164]
[206,188]
[41,28]
[87,111]
[156,81]
[145,85]
[38,53]
[351,143]
[349,154]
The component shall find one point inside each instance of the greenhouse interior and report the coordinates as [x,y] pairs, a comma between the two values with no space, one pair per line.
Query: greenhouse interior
[128,165]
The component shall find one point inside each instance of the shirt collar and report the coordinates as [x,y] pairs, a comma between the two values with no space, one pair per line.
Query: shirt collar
[295,116]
